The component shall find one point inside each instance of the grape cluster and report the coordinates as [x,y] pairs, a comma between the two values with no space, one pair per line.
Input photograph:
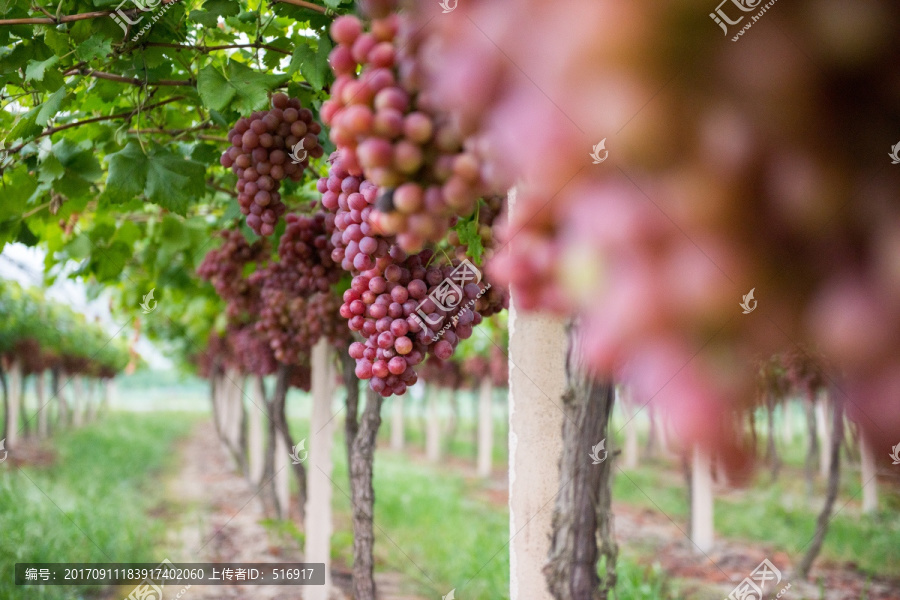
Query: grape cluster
[421,176]
[267,147]
[224,268]
[250,352]
[298,306]
[388,299]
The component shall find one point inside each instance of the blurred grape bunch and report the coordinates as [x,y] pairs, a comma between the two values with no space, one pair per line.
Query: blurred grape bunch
[757,164]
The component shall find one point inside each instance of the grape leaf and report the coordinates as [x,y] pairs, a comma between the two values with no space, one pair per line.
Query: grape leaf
[322,59]
[164,178]
[469,236]
[242,87]
[48,109]
[305,60]
[94,47]
[37,68]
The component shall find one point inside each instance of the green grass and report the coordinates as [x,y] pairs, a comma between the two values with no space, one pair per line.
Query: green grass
[92,504]
[778,514]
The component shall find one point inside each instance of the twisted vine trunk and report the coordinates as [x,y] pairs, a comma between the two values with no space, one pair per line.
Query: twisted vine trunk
[282,383]
[351,383]
[834,476]
[362,456]
[582,519]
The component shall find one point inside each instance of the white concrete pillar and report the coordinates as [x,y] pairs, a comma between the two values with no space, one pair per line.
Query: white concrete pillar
[235,400]
[868,473]
[41,393]
[397,432]
[90,399]
[255,436]
[631,451]
[13,404]
[824,435]
[109,394]
[701,501]
[432,425]
[537,352]
[485,427]
[78,401]
[282,475]
[318,522]
[788,423]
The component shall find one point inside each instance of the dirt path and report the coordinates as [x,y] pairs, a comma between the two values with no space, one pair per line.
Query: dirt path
[217,517]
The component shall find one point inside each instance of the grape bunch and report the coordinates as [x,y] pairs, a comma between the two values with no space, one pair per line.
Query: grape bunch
[350,199]
[384,128]
[293,323]
[224,268]
[298,306]
[249,351]
[267,147]
[388,302]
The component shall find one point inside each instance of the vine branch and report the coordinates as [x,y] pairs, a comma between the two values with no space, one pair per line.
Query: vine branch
[125,115]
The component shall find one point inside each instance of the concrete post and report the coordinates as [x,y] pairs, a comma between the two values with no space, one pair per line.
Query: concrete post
[630,460]
[13,403]
[41,393]
[485,427]
[397,432]
[868,473]
[701,501]
[77,401]
[824,435]
[433,425]
[318,523]
[537,352]
[255,435]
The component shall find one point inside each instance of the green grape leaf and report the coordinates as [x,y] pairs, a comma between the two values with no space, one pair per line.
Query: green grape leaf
[36,69]
[305,60]
[94,47]
[469,236]
[240,86]
[164,178]
[50,107]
